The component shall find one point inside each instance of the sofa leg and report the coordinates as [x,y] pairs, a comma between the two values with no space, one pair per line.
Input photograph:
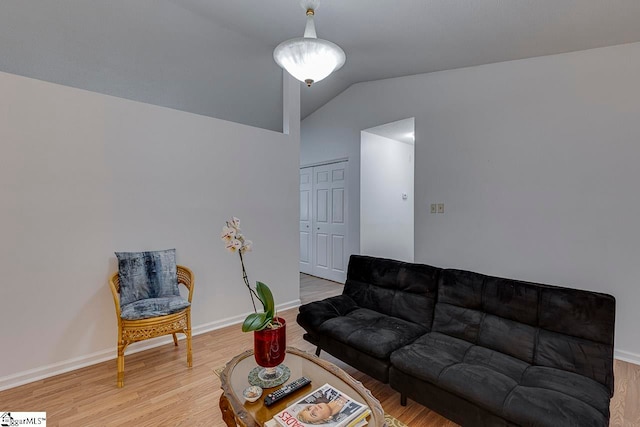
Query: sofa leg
[318,350]
[403,399]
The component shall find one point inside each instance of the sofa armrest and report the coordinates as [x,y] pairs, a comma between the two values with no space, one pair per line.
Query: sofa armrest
[314,314]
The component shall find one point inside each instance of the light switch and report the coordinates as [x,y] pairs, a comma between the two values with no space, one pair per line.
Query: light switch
[433,208]
[440,207]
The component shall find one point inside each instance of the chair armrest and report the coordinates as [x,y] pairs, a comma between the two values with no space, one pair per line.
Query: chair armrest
[114,285]
[185,277]
[314,314]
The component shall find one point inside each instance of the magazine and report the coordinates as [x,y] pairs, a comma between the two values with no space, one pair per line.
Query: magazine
[325,406]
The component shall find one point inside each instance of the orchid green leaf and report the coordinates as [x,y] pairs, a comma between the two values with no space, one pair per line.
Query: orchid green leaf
[255,322]
[266,297]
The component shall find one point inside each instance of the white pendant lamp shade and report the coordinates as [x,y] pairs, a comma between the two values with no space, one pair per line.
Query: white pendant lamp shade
[309,59]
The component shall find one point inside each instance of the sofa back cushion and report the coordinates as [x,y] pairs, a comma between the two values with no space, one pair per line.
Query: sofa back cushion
[563,328]
[495,313]
[395,288]
[458,312]
[576,332]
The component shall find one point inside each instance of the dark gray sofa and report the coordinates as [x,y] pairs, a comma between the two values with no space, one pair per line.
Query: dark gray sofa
[480,350]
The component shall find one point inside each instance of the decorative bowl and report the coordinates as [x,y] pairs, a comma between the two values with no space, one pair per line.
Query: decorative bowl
[253,393]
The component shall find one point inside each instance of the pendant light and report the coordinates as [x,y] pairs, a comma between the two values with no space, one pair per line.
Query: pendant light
[308,58]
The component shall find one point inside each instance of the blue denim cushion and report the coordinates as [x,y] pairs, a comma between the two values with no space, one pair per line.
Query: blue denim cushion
[147,275]
[152,307]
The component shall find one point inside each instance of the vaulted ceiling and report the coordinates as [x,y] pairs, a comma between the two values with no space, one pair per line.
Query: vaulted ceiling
[214,57]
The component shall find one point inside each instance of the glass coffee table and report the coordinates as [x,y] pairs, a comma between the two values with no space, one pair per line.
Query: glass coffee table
[235,411]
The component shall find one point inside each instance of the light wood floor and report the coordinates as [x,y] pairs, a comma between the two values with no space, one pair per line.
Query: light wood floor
[161,391]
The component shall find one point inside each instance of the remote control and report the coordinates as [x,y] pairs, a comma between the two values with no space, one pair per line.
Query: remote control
[285,391]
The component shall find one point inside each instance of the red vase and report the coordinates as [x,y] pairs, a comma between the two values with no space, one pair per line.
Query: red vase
[269,347]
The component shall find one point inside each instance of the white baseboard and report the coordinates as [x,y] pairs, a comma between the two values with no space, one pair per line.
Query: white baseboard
[627,356]
[47,371]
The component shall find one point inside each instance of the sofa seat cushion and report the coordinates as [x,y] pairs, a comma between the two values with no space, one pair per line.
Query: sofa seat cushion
[441,352]
[430,355]
[153,307]
[533,406]
[504,385]
[477,374]
[555,394]
[370,332]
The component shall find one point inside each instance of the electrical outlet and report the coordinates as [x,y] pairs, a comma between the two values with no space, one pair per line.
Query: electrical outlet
[440,207]
[433,208]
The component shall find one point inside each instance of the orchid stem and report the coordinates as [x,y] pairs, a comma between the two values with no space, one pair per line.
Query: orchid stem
[246,282]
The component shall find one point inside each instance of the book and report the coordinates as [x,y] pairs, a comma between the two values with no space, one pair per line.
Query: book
[360,420]
[326,406]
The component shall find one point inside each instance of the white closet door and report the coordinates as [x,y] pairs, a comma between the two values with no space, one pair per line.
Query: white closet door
[329,222]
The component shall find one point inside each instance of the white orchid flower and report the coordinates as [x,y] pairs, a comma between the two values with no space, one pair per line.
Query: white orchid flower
[247,246]
[235,223]
[228,234]
[234,245]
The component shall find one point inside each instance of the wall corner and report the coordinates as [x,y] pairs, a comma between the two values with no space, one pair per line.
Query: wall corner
[291,106]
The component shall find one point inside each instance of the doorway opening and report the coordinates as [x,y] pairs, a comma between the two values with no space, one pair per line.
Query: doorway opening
[387,154]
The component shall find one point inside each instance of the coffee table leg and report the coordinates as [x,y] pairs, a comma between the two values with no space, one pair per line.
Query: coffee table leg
[227,412]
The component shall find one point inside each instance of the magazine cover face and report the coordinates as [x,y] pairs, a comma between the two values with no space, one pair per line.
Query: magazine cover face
[326,407]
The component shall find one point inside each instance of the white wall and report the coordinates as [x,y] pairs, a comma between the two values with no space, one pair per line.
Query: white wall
[84,174]
[536,161]
[386,219]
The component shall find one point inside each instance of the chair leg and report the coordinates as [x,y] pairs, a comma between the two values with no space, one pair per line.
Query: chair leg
[403,399]
[189,354]
[175,340]
[318,350]
[121,347]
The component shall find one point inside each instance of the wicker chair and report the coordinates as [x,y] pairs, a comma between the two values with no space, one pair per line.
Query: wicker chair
[130,331]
